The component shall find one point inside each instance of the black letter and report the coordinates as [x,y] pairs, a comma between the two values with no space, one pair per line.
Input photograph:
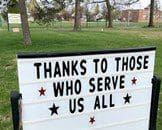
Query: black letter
[125,64]
[132,63]
[58,88]
[114,81]
[72,110]
[65,68]
[37,65]
[97,103]
[117,63]
[111,104]
[83,67]
[73,67]
[47,70]
[103,102]
[139,62]
[69,87]
[103,65]
[99,83]
[77,86]
[107,83]
[145,66]
[122,81]
[92,84]
[80,104]
[57,70]
[96,61]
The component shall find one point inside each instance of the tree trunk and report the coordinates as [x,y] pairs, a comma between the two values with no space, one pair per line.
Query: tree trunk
[151,19]
[109,9]
[106,20]
[24,22]
[77,22]
[8,24]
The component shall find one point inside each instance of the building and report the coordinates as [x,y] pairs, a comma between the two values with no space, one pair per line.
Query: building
[140,15]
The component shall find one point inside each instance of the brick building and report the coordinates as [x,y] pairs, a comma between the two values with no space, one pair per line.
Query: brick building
[140,15]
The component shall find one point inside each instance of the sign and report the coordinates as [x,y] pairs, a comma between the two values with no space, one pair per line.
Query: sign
[101,90]
[14,18]
[16,30]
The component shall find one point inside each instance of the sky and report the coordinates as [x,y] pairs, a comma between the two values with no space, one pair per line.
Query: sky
[145,3]
[141,4]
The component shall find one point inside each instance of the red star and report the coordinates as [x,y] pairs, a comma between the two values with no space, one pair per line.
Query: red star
[42,91]
[134,81]
[92,120]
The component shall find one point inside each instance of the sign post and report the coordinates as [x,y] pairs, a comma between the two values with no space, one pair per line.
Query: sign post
[154,102]
[13,18]
[15,98]
[109,89]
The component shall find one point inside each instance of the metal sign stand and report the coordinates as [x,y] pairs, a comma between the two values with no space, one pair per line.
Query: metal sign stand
[154,102]
[16,97]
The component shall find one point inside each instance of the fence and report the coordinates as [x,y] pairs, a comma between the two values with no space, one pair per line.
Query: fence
[66,25]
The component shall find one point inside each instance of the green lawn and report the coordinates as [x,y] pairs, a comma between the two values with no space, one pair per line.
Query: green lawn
[61,41]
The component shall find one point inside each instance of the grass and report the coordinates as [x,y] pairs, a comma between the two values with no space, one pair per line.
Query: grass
[60,41]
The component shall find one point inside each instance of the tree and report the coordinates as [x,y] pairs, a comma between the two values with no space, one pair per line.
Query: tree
[3,8]
[127,4]
[24,22]
[32,6]
[77,22]
[13,6]
[109,10]
[151,18]
[154,9]
[87,12]
[111,5]
[46,11]
[3,5]
[97,9]
[66,15]
[157,10]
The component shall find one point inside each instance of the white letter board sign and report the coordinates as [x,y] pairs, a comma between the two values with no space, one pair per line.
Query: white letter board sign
[95,90]
[14,18]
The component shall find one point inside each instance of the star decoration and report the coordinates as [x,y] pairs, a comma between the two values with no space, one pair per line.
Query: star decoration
[42,91]
[92,120]
[54,109]
[134,80]
[127,98]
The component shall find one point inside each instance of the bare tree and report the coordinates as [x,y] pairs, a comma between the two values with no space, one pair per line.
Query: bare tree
[24,22]
[127,4]
[111,5]
[109,10]
[87,13]
[77,22]
[157,10]
[151,19]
